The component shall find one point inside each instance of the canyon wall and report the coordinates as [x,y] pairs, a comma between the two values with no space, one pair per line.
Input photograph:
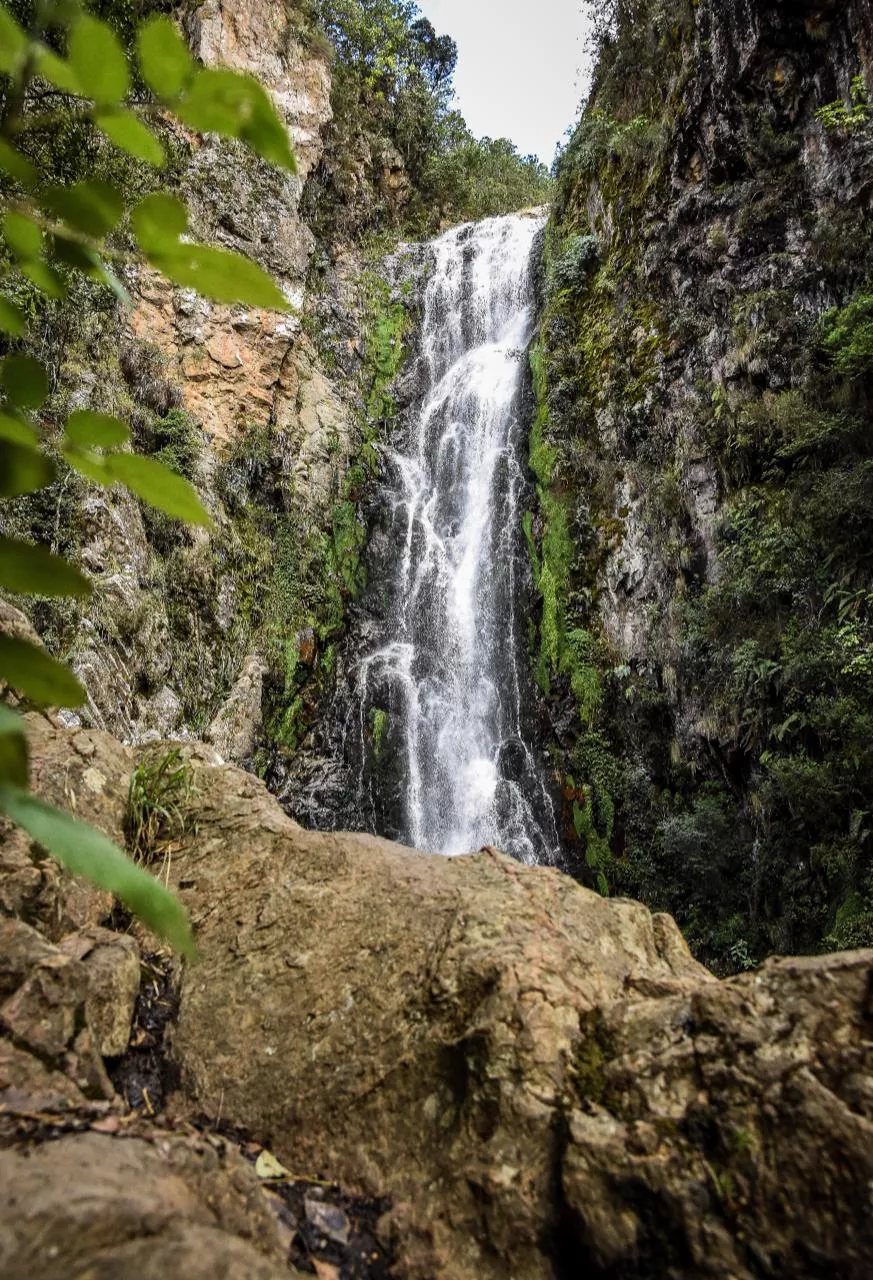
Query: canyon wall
[702,449]
[215,633]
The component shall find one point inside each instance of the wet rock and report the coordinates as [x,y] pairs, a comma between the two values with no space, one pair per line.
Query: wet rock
[329,1220]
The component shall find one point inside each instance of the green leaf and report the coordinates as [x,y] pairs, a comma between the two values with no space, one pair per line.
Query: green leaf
[57,72]
[17,165]
[14,756]
[94,208]
[22,468]
[45,278]
[37,675]
[220,274]
[158,486]
[166,62]
[85,852]
[90,465]
[13,43]
[129,133]
[25,381]
[17,431]
[14,762]
[12,319]
[33,570]
[88,261]
[75,254]
[91,430]
[98,61]
[237,106]
[111,280]
[22,235]
[158,221]
[266,134]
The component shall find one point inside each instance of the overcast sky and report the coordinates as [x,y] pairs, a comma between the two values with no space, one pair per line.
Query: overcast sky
[518,66]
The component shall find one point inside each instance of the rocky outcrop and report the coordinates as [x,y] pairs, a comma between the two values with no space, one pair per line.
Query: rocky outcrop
[530,1080]
[150,1207]
[539,1078]
[712,218]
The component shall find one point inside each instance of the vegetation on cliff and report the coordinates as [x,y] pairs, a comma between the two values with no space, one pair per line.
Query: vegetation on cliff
[704,379]
[60,235]
[398,153]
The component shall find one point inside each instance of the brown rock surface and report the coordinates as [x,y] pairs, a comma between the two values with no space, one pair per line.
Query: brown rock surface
[256,37]
[87,772]
[113,1209]
[540,1082]
[545,1082]
[62,1010]
[112,964]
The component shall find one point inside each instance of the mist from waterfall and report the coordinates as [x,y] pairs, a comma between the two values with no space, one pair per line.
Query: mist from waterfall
[452,655]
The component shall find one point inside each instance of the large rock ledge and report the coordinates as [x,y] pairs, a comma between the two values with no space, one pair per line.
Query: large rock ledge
[544,1084]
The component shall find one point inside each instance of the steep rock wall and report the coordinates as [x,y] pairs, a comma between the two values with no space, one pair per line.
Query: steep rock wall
[197,631]
[702,450]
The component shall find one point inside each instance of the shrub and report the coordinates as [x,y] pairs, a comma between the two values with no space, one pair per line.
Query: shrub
[577,263]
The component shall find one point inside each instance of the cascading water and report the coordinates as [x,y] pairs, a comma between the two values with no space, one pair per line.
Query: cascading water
[449,666]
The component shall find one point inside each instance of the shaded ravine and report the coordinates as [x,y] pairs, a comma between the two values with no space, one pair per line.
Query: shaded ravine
[434,724]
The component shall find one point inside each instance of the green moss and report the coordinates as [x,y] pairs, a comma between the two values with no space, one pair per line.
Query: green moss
[378,731]
[588,1071]
[385,352]
[177,442]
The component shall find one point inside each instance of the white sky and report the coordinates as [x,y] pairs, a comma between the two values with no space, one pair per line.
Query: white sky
[518,67]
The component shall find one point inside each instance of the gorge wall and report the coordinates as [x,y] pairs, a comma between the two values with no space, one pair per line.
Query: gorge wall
[702,449]
[212,634]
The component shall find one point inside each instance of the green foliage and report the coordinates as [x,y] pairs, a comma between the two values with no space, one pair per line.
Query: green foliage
[848,337]
[848,117]
[781,645]
[55,234]
[378,731]
[574,267]
[385,352]
[158,802]
[176,443]
[392,97]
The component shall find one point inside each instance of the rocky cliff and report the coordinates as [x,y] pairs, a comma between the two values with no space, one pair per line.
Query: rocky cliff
[210,633]
[702,449]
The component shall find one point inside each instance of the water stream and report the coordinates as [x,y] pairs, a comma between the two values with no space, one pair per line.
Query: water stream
[450,662]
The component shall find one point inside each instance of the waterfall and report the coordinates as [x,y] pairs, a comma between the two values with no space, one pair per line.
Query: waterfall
[448,670]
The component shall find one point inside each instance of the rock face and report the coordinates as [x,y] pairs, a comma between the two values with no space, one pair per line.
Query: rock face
[537,1082]
[183,629]
[712,211]
[543,1081]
